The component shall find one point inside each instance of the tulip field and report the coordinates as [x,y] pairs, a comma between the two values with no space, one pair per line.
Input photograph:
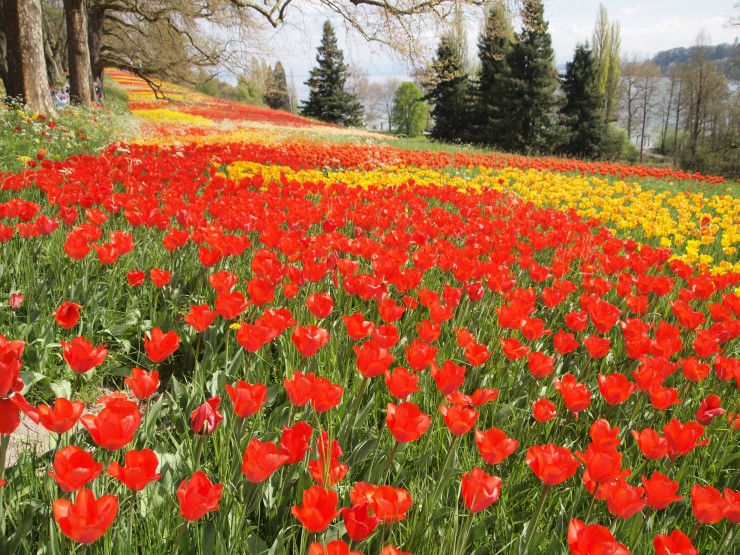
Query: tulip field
[246,332]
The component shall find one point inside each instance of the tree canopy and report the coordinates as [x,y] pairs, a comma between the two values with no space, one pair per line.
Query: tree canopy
[409,111]
[328,99]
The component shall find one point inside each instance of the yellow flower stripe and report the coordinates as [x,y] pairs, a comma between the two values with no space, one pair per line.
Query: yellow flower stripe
[701,229]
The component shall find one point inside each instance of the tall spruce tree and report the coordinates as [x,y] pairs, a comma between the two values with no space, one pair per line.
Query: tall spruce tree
[530,100]
[328,100]
[494,46]
[277,96]
[582,113]
[449,94]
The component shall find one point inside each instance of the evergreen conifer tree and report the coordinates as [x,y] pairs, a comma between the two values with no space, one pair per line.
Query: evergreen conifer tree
[277,96]
[529,100]
[582,113]
[449,94]
[328,100]
[494,46]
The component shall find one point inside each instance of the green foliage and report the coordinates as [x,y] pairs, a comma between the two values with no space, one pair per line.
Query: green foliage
[494,47]
[529,100]
[582,113]
[328,99]
[618,146]
[27,138]
[409,112]
[244,92]
[449,94]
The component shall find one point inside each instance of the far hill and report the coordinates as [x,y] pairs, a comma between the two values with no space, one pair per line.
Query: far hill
[725,56]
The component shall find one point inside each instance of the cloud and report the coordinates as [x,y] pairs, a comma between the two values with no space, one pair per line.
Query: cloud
[631,10]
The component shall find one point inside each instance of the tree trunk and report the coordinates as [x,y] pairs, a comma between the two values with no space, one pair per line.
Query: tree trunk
[675,129]
[80,76]
[26,64]
[95,23]
[645,99]
[3,46]
[664,134]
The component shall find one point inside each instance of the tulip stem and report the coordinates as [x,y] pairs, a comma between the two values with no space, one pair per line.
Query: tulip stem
[724,538]
[440,480]
[198,450]
[465,533]
[695,531]
[389,464]
[590,506]
[4,442]
[178,539]
[131,518]
[353,410]
[535,518]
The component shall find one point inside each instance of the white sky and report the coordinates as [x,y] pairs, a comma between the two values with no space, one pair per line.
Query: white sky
[647,27]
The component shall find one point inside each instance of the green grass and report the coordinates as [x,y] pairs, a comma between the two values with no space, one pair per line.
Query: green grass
[27,138]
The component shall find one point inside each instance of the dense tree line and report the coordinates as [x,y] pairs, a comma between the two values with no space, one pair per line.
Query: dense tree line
[600,108]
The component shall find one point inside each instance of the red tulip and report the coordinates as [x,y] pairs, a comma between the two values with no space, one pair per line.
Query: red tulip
[67,315]
[87,519]
[732,505]
[309,339]
[391,504]
[479,490]
[223,281]
[74,467]
[603,435]
[459,418]
[651,443]
[372,359]
[604,464]
[494,446]
[590,539]
[294,441]
[206,418]
[336,547]
[551,464]
[139,469]
[81,355]
[160,278]
[325,395]
[677,543]
[160,345]
[142,384]
[615,388]
[660,491]
[624,500]
[406,422]
[709,409]
[682,438]
[392,550]
[318,510]
[299,388]
[707,504]
[543,410]
[114,426]
[261,460]
[231,305]
[59,418]
[419,355]
[358,521]
[476,353]
[135,278]
[198,496]
[200,317]
[401,383]
[247,399]
[320,305]
[575,395]
[539,364]
[357,327]
[448,377]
